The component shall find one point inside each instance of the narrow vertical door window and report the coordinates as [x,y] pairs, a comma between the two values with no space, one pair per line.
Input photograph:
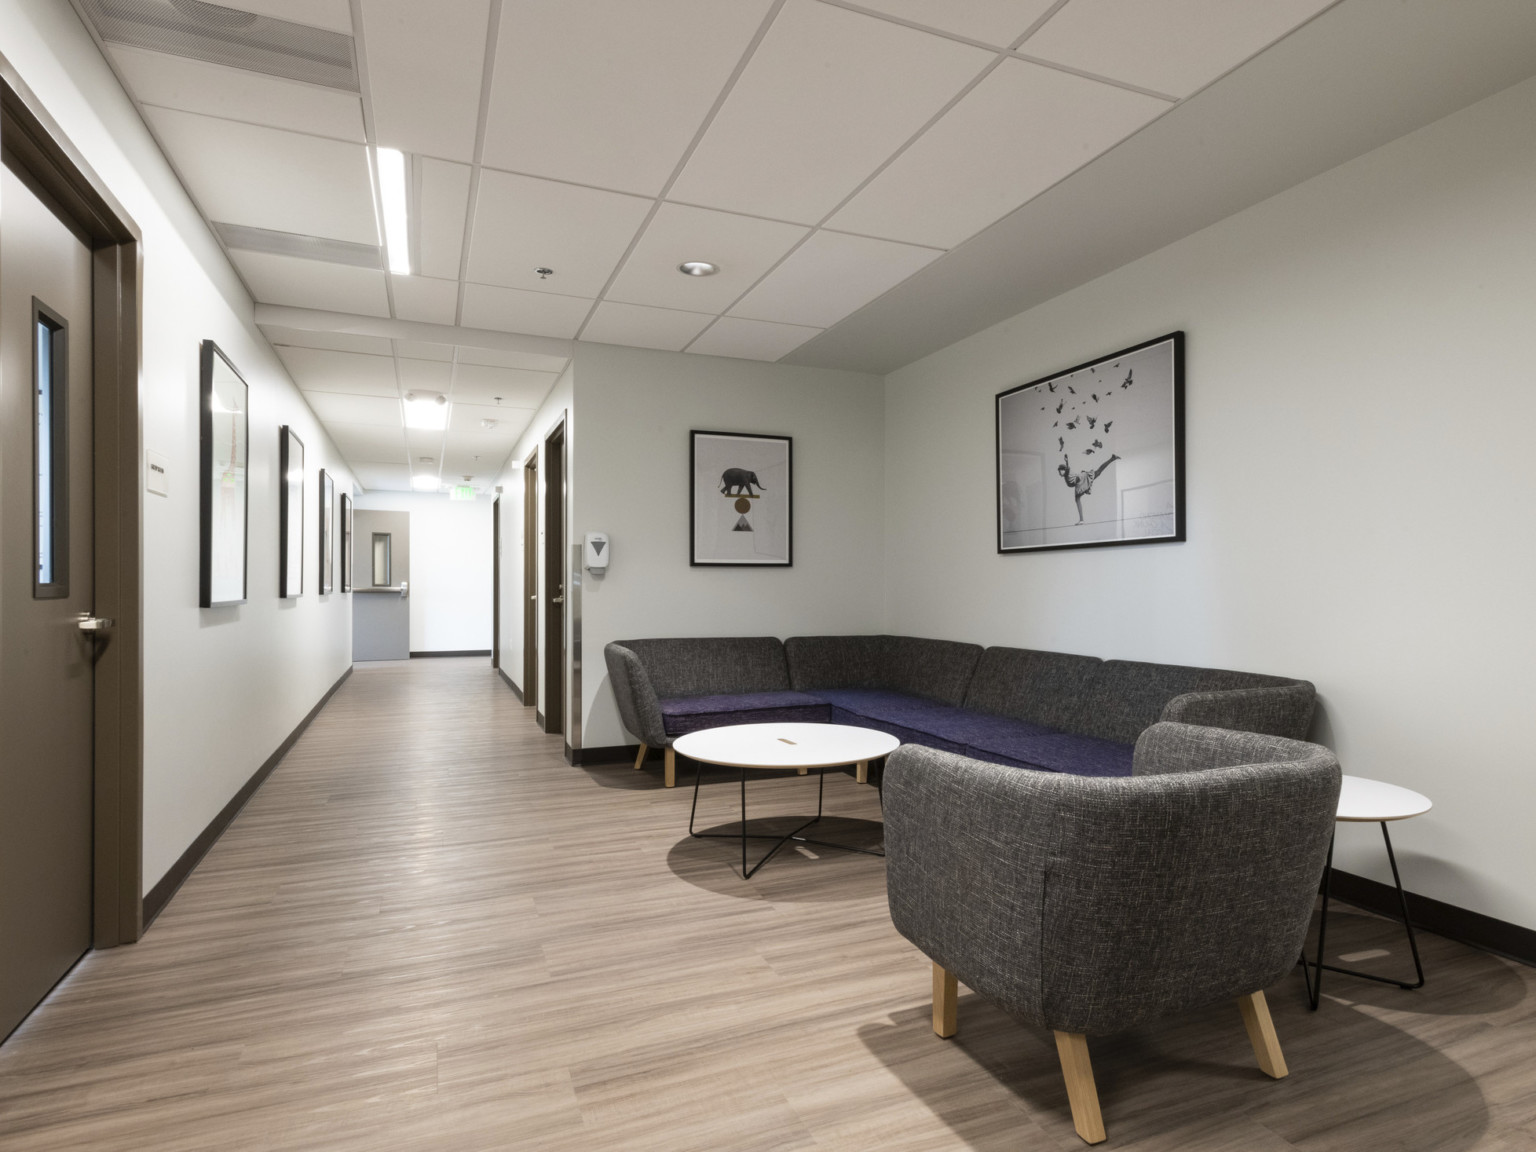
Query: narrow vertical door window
[49,390]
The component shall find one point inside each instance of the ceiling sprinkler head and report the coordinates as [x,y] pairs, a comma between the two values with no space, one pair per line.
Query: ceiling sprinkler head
[487,424]
[698,268]
[544,273]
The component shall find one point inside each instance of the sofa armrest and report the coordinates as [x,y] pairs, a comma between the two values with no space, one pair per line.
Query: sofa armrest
[1284,710]
[967,845]
[638,706]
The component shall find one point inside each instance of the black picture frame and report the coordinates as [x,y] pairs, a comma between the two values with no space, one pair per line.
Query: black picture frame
[739,533]
[224,500]
[346,542]
[1055,437]
[290,514]
[327,488]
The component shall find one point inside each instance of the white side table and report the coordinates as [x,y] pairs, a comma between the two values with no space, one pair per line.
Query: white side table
[1368,801]
[770,746]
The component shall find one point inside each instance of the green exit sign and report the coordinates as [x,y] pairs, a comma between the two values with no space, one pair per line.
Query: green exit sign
[461,492]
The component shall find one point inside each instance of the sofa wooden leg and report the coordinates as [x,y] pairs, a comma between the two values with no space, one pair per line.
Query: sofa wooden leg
[801,771]
[861,772]
[670,772]
[1261,1034]
[946,1002]
[1082,1094]
[640,756]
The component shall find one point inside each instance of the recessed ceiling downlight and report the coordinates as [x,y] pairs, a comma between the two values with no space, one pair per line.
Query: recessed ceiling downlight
[698,268]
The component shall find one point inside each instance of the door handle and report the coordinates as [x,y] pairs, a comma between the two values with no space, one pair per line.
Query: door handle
[558,600]
[96,625]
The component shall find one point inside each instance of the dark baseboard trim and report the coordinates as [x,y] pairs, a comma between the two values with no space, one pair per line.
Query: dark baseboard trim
[612,754]
[455,652]
[538,718]
[160,895]
[516,691]
[1448,920]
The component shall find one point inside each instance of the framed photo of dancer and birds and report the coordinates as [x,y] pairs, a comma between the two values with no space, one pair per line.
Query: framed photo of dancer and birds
[1094,455]
[740,506]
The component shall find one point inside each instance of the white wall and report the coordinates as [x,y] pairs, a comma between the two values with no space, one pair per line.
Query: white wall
[1361,507]
[631,481]
[451,565]
[223,687]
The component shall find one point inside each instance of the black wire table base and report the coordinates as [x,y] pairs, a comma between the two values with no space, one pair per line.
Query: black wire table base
[793,835]
[1315,987]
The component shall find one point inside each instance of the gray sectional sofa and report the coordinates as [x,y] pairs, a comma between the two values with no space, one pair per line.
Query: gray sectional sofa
[1049,711]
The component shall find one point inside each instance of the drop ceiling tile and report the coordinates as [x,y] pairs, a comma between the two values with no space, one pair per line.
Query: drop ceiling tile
[751,339]
[189,85]
[324,370]
[335,15]
[268,178]
[425,299]
[425,63]
[955,180]
[1170,46]
[378,411]
[532,313]
[610,92]
[383,477]
[367,443]
[828,96]
[425,447]
[496,357]
[442,205]
[467,419]
[642,327]
[998,22]
[337,341]
[522,223]
[426,376]
[424,350]
[830,276]
[480,384]
[744,247]
[312,284]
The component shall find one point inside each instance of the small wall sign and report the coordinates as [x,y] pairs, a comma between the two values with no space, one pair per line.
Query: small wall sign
[156,473]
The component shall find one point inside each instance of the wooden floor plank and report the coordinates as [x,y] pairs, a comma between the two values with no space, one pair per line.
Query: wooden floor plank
[426,931]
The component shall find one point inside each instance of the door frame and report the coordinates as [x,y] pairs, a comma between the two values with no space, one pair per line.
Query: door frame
[496,580]
[531,579]
[47,161]
[555,485]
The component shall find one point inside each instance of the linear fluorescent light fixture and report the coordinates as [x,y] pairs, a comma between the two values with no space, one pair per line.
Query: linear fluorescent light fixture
[390,163]
[427,411]
[424,483]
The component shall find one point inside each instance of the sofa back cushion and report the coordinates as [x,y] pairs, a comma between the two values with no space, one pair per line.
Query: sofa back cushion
[933,669]
[1128,696]
[710,666]
[1046,688]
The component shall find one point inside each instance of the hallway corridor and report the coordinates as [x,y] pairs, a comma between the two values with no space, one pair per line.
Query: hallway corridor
[427,932]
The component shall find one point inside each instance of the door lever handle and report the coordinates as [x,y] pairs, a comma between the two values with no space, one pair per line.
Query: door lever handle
[558,600]
[94,624]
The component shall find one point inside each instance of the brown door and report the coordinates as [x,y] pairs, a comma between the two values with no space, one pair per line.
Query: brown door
[46,562]
[553,697]
[496,583]
[531,580]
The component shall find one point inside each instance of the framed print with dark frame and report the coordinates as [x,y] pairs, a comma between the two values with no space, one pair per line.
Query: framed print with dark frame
[224,502]
[741,508]
[290,514]
[346,542]
[327,538]
[1093,456]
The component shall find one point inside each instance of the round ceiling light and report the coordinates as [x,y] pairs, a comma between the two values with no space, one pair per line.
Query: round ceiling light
[698,268]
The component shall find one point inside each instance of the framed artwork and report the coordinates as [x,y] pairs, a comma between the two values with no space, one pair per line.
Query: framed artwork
[1094,455]
[741,511]
[346,542]
[290,514]
[327,536]
[224,401]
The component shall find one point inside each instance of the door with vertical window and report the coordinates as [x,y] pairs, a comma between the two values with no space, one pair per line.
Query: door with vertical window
[48,637]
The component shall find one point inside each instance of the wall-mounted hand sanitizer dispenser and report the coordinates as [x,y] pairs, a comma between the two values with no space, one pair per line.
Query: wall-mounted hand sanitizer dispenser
[597,551]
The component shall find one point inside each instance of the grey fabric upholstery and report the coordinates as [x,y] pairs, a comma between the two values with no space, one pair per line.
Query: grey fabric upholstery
[1042,687]
[1129,696]
[1284,710]
[643,672]
[638,706]
[1094,905]
[931,669]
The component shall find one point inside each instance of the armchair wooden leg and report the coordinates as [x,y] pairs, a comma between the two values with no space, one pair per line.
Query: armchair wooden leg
[946,1002]
[1082,1094]
[1261,1034]
[861,772]
[670,771]
[640,756]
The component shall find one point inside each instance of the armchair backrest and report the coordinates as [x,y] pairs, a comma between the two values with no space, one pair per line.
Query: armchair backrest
[1092,905]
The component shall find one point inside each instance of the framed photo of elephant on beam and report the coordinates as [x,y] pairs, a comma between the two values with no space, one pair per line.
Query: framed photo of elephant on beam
[741,507]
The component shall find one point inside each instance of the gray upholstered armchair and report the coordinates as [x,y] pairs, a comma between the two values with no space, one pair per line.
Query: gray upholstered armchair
[1088,905]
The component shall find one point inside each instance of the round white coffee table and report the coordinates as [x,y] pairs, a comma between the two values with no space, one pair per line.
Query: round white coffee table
[778,746]
[1363,801]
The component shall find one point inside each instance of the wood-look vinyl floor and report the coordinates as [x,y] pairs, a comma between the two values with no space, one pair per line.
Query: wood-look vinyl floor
[426,931]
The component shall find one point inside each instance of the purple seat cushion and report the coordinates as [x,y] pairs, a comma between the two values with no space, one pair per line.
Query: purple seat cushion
[683,714]
[1057,752]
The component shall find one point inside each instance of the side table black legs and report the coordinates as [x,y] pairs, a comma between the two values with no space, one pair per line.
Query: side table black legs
[1315,986]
